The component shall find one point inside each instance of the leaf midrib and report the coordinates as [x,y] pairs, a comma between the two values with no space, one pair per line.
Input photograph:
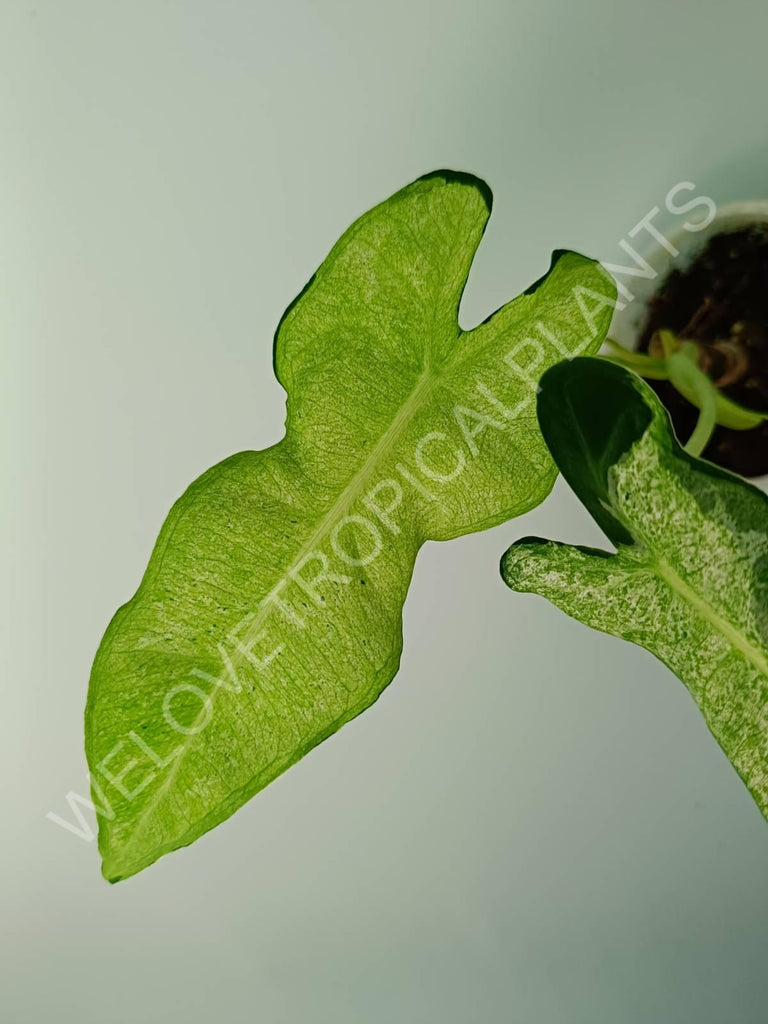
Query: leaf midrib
[413,404]
[757,658]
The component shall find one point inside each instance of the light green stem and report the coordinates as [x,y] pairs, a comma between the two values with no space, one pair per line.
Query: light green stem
[686,376]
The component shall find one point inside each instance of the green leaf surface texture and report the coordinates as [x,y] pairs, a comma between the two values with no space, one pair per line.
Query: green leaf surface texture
[689,578]
[271,610]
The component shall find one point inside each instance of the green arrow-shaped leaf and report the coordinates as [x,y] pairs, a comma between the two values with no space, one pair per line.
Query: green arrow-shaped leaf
[689,579]
[270,613]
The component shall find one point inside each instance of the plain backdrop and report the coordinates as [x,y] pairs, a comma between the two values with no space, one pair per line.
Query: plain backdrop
[533,824]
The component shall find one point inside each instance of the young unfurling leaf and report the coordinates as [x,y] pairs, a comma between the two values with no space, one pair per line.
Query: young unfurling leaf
[689,579]
[270,613]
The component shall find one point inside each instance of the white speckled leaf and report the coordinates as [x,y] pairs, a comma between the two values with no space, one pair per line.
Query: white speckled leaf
[689,580]
[270,613]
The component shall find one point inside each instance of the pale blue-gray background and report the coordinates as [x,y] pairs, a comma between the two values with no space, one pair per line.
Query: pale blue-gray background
[533,824]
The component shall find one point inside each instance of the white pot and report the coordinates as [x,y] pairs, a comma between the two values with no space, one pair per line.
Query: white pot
[628,322]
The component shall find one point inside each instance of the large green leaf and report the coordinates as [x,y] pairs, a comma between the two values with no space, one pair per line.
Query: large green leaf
[270,613]
[689,579]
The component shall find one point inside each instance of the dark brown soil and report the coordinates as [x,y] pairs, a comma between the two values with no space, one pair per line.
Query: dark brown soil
[721,302]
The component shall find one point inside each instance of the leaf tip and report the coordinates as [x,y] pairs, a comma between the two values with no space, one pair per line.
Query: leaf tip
[516,559]
[446,176]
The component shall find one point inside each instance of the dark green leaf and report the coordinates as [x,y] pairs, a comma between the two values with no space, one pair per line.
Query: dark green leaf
[689,579]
